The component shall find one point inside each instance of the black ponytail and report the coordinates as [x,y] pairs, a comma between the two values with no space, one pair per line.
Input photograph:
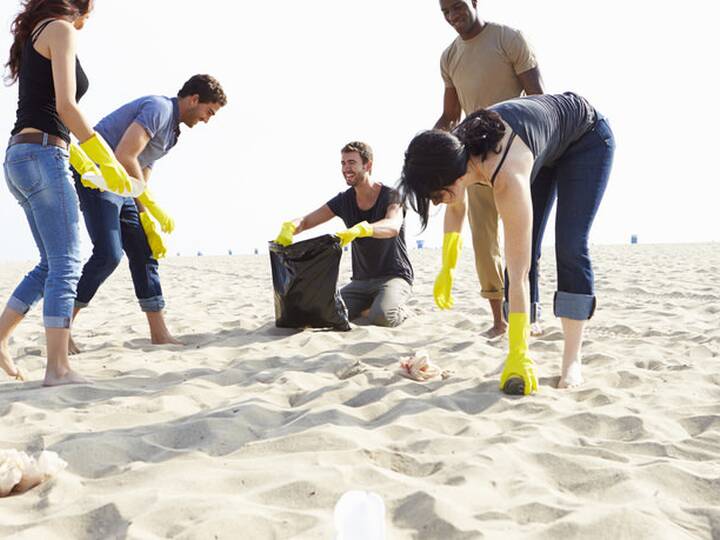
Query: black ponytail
[481,133]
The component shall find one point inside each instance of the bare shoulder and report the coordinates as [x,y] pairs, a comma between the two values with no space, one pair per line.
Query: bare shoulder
[59,31]
[518,163]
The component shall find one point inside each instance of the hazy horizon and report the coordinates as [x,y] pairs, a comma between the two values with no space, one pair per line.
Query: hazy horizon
[303,79]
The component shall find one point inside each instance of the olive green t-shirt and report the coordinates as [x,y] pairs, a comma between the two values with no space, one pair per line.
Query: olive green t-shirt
[483,70]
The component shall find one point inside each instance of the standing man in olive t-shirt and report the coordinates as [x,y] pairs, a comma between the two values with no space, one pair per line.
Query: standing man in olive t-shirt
[487,63]
[382,275]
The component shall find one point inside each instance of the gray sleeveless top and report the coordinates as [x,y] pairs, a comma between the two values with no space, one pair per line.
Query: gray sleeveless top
[548,124]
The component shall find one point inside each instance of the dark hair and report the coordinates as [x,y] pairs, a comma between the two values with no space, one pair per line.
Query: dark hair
[206,87]
[481,132]
[435,159]
[366,153]
[31,13]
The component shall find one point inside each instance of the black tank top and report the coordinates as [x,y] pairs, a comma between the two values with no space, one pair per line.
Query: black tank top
[36,93]
[547,124]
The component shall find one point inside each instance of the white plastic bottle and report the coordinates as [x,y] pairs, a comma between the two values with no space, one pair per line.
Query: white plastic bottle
[360,515]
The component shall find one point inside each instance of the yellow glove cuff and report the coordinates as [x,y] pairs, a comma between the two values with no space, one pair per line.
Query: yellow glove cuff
[97,149]
[518,332]
[365,229]
[452,244]
[147,200]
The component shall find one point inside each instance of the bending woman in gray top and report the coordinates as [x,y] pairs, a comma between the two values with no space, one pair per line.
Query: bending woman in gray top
[564,148]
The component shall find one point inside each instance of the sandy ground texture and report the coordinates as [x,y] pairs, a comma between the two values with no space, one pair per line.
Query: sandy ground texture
[255,432]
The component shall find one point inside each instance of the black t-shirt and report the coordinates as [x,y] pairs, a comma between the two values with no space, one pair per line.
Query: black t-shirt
[374,258]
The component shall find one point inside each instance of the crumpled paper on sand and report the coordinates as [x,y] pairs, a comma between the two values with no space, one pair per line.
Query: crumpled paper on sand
[20,472]
[419,367]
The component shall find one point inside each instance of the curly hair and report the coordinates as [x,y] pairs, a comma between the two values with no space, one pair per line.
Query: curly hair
[435,159]
[31,13]
[206,87]
[366,153]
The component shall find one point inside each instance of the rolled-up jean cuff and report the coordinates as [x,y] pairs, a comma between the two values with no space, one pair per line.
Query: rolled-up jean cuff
[152,305]
[493,295]
[57,322]
[535,311]
[80,305]
[18,305]
[579,307]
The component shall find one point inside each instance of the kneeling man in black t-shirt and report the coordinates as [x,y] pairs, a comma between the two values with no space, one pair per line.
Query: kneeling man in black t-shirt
[381,272]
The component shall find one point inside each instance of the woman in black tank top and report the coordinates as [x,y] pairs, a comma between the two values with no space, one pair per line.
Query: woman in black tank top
[37,170]
[530,151]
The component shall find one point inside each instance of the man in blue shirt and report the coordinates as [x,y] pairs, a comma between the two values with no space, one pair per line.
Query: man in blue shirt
[140,133]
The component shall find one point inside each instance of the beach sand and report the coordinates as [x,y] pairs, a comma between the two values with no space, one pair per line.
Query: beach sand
[255,432]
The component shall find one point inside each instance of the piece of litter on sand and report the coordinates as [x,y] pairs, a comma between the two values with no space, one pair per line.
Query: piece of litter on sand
[20,472]
[353,369]
[418,367]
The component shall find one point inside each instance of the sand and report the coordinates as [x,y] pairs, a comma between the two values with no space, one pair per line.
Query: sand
[255,432]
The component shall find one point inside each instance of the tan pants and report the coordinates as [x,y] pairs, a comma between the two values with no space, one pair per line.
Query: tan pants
[483,218]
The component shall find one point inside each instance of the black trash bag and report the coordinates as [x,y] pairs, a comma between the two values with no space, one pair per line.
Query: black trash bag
[305,278]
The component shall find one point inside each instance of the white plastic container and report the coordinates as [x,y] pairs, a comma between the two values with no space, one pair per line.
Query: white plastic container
[360,515]
[138,186]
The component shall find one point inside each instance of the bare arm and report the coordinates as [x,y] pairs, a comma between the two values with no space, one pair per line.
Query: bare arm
[60,38]
[514,205]
[390,225]
[133,142]
[455,215]
[531,81]
[451,110]
[313,219]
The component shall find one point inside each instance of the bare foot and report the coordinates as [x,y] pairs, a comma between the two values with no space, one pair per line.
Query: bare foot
[73,349]
[536,330]
[69,377]
[495,331]
[8,365]
[165,340]
[571,376]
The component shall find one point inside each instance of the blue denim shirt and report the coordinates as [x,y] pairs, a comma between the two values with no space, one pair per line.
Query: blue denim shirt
[159,115]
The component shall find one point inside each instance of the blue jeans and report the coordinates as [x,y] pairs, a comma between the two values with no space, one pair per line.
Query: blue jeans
[577,180]
[113,224]
[39,178]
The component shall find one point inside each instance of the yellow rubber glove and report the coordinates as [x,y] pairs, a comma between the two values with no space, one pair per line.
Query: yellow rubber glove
[285,238]
[155,241]
[167,224]
[115,175]
[518,366]
[452,244]
[83,165]
[360,230]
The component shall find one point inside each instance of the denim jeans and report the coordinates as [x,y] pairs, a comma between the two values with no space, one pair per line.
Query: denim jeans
[113,223]
[577,180]
[384,297]
[39,178]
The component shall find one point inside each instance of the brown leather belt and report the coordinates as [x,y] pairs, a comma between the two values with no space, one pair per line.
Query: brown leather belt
[38,138]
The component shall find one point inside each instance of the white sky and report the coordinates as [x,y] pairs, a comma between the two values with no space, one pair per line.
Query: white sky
[305,77]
